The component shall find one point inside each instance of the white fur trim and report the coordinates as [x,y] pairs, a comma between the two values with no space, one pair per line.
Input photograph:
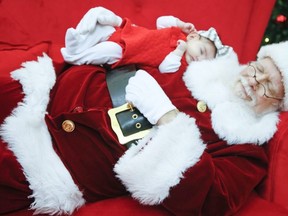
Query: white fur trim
[233,121]
[237,124]
[212,80]
[157,163]
[28,137]
[279,54]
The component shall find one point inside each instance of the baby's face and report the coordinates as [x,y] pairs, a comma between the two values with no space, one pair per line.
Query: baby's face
[199,48]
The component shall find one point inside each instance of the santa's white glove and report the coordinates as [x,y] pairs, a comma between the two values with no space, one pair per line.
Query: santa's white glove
[145,93]
[98,15]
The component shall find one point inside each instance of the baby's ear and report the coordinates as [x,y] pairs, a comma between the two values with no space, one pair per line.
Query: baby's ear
[193,35]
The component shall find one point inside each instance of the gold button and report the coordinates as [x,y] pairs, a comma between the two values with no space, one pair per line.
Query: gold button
[201,106]
[68,126]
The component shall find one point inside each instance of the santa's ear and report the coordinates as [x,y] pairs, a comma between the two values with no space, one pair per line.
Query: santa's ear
[193,35]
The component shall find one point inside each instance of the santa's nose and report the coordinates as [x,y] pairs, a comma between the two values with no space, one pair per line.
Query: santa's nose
[261,77]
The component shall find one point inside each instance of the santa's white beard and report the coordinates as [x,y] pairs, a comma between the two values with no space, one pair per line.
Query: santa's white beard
[249,98]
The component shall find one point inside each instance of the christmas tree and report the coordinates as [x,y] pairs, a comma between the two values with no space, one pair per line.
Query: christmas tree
[277,29]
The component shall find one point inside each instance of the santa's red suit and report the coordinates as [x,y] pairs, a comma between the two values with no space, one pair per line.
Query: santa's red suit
[198,164]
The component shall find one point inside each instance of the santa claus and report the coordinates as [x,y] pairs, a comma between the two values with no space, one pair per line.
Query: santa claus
[203,155]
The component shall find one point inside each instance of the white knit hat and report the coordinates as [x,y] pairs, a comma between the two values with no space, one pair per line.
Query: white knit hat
[278,52]
[211,34]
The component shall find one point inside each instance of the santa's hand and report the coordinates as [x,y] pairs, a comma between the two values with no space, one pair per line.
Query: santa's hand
[144,92]
[98,15]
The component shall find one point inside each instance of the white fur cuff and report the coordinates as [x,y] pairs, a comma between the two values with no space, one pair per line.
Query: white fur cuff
[158,162]
[28,137]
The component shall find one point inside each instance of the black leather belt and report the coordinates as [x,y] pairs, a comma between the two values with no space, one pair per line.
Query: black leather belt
[126,121]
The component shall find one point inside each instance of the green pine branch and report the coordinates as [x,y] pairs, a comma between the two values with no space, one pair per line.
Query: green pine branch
[277,31]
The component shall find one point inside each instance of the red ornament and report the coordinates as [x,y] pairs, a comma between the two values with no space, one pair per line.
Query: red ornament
[281,18]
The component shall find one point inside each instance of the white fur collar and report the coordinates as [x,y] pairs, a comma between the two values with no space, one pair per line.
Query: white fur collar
[27,135]
[212,81]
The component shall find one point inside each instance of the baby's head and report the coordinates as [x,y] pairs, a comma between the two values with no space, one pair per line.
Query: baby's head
[203,45]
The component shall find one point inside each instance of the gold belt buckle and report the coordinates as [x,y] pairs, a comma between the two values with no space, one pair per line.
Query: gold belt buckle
[117,128]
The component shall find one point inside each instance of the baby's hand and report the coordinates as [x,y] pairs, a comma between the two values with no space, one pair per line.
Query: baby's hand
[181,48]
[188,28]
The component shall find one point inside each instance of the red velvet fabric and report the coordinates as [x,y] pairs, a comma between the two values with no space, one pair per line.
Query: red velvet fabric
[12,56]
[257,206]
[81,95]
[273,188]
[88,90]
[11,59]
[241,25]
[124,206]
[13,184]
[87,77]
[158,43]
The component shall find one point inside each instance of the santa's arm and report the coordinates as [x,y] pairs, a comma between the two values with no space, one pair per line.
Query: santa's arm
[219,183]
[171,166]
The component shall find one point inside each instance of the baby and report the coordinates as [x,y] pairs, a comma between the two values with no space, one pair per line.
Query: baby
[102,37]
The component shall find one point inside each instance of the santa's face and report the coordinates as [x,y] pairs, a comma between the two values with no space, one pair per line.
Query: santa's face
[260,86]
